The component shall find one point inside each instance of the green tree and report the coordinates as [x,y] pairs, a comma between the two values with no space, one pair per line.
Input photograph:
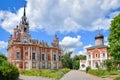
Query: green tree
[67,60]
[76,64]
[76,60]
[7,70]
[114,38]
[3,56]
[79,57]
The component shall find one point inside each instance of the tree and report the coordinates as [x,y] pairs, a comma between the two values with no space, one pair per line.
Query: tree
[76,64]
[7,70]
[3,56]
[67,60]
[79,57]
[114,38]
[76,60]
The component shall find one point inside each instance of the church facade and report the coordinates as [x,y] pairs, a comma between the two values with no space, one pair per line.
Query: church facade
[95,55]
[26,53]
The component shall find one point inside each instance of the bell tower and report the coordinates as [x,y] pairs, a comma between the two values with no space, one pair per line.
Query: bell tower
[21,32]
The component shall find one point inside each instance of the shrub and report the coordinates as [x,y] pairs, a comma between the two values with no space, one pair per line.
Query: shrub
[8,71]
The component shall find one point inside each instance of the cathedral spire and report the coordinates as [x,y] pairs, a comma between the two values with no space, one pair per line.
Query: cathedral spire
[24,14]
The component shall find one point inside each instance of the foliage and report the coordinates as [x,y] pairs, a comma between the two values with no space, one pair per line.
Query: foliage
[7,70]
[118,78]
[3,56]
[57,74]
[67,60]
[76,64]
[72,63]
[76,60]
[114,38]
[111,64]
[79,57]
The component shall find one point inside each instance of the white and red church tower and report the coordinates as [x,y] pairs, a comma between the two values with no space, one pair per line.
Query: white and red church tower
[26,53]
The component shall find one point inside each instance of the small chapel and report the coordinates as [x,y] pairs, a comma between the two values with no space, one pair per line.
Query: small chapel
[27,53]
[96,54]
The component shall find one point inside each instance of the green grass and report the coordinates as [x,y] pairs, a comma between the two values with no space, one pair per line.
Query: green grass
[118,78]
[103,73]
[56,74]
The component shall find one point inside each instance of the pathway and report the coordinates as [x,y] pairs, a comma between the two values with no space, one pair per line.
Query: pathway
[78,75]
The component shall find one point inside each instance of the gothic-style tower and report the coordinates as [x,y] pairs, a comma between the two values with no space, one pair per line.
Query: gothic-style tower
[55,42]
[21,32]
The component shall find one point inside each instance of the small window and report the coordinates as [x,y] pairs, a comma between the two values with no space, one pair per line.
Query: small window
[59,58]
[33,56]
[43,57]
[54,57]
[89,56]
[103,54]
[96,55]
[18,55]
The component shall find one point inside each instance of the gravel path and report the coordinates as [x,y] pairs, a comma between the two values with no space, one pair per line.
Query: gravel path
[78,75]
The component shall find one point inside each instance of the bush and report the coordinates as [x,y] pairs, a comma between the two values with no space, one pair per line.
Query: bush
[8,71]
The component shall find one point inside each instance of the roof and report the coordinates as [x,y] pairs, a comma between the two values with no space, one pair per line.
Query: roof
[99,36]
[97,46]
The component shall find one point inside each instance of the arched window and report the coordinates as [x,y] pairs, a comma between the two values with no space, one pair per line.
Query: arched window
[18,55]
[54,57]
[33,56]
[103,54]
[96,55]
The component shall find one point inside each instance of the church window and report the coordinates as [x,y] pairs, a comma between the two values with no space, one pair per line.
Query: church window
[43,57]
[96,55]
[33,56]
[18,55]
[59,58]
[89,56]
[103,54]
[25,29]
[54,57]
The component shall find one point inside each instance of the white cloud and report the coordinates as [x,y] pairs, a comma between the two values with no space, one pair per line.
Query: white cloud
[71,43]
[3,45]
[63,15]
[81,52]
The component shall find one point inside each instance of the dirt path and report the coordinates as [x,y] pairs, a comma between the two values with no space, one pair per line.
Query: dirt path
[78,75]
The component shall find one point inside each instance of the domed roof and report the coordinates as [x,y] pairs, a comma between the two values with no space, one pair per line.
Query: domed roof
[99,36]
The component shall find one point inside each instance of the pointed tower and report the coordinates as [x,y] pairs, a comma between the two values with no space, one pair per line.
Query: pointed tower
[21,32]
[55,42]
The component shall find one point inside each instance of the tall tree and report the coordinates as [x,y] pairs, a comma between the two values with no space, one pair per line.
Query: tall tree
[114,38]
[67,60]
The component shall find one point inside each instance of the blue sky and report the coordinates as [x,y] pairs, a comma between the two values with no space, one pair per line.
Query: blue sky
[75,22]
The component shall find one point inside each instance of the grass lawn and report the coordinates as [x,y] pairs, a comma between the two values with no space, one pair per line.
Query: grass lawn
[56,74]
[104,73]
